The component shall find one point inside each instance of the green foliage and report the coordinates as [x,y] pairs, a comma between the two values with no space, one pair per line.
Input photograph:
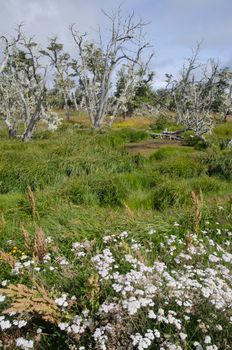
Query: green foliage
[124,135]
[83,181]
[194,141]
[220,163]
[109,191]
[161,123]
[170,194]
[142,94]
[171,152]
[206,184]
[97,191]
[181,167]
[224,130]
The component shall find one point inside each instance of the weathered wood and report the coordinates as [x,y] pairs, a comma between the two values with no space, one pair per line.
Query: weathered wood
[98,62]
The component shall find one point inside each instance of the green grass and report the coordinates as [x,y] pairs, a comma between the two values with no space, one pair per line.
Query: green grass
[85,182]
[82,172]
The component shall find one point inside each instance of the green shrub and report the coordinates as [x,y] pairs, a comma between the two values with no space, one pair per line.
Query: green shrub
[142,179]
[193,141]
[43,135]
[181,167]
[75,167]
[109,191]
[77,191]
[170,152]
[161,123]
[223,143]
[99,191]
[140,200]
[223,130]
[131,135]
[206,184]
[125,135]
[220,163]
[170,194]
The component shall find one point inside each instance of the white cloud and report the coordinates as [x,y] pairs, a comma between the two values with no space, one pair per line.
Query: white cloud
[176,25]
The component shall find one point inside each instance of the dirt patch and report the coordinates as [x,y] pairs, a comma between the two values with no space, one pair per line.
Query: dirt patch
[147,147]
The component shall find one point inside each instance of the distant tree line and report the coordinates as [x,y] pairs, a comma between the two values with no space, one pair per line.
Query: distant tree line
[107,77]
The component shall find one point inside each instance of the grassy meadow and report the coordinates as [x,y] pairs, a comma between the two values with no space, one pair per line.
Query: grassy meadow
[77,205]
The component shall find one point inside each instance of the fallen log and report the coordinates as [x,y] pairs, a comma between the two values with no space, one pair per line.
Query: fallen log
[171,135]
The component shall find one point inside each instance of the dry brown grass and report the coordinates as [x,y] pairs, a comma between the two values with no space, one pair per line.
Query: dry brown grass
[32,302]
[38,246]
[94,288]
[7,258]
[198,202]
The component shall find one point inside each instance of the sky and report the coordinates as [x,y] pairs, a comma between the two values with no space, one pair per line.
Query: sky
[174,26]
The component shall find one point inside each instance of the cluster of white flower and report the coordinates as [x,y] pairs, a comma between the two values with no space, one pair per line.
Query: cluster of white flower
[24,343]
[100,336]
[107,307]
[4,323]
[143,342]
[52,119]
[79,248]
[2,298]
[184,283]
[103,263]
[115,238]
[78,324]
[184,286]
[20,323]
[62,301]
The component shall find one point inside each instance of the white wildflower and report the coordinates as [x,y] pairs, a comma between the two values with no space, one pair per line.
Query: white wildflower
[2,298]
[207,339]
[24,343]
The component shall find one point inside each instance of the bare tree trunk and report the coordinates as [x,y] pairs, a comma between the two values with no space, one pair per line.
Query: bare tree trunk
[35,118]
[30,128]
[12,128]
[103,101]
[12,133]
[68,115]
[75,101]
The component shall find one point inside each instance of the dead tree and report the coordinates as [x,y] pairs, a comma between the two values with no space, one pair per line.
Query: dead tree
[7,45]
[23,90]
[9,108]
[131,75]
[223,100]
[194,97]
[60,62]
[98,62]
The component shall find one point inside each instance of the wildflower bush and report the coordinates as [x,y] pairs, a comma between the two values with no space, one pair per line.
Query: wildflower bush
[169,290]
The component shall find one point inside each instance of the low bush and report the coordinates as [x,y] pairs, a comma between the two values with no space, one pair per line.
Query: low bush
[169,152]
[206,184]
[219,163]
[170,194]
[196,142]
[181,167]
[124,135]
[161,123]
[97,191]
[109,191]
